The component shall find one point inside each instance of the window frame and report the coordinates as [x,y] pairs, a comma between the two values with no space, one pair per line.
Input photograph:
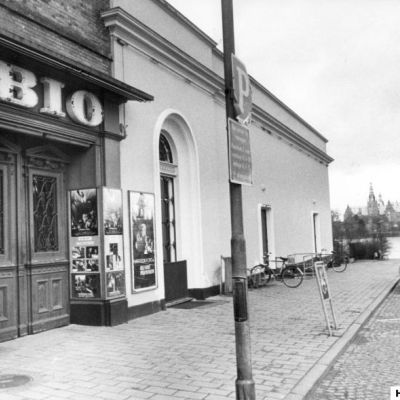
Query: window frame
[60,253]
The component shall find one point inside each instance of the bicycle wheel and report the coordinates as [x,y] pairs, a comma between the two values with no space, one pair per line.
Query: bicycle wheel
[259,276]
[339,266]
[292,277]
[267,275]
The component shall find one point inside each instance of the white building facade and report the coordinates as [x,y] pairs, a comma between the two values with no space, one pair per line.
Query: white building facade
[286,210]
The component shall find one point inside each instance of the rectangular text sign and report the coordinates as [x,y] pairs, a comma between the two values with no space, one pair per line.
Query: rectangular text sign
[240,166]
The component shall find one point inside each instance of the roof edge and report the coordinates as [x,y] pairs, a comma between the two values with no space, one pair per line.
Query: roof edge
[288,109]
[181,18]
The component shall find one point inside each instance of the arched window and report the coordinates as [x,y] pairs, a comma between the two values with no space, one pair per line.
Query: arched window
[165,150]
[167,177]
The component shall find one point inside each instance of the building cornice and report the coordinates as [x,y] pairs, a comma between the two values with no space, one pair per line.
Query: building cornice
[218,53]
[286,108]
[132,32]
[273,126]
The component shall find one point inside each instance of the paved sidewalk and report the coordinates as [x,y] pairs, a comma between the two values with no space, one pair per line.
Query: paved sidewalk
[370,365]
[190,353]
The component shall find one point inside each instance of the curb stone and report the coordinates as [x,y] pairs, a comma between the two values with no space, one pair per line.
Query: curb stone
[321,367]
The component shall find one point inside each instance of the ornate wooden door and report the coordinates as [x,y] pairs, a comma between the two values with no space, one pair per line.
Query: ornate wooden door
[33,252]
[47,261]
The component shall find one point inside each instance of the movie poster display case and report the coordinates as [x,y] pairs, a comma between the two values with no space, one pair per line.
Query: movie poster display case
[97,271]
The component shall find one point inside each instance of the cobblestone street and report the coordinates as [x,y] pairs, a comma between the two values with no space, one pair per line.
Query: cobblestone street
[190,353]
[371,364]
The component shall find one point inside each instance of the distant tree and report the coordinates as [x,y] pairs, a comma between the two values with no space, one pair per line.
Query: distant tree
[348,214]
[372,229]
[337,225]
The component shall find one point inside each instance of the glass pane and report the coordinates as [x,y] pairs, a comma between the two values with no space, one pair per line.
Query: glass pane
[168,218]
[165,150]
[45,218]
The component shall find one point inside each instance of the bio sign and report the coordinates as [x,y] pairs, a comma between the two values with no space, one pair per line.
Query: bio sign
[241,89]
[17,87]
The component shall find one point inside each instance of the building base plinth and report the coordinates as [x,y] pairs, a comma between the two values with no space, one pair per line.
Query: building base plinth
[99,313]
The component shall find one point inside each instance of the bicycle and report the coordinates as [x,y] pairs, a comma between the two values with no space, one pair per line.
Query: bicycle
[290,274]
[332,260]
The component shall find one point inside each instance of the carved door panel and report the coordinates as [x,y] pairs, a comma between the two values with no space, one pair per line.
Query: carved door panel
[47,263]
[9,281]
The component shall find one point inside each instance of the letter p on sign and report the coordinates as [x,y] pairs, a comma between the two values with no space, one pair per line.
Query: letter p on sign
[241,89]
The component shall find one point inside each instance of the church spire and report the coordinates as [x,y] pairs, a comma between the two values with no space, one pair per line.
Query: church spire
[373,208]
[371,192]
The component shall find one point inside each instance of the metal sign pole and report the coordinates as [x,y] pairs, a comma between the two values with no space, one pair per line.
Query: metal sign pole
[245,388]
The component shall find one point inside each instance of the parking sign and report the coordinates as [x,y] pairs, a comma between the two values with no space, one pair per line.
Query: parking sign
[241,90]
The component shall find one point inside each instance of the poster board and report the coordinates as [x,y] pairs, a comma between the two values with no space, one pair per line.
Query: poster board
[96,243]
[142,241]
[84,244]
[325,295]
[113,244]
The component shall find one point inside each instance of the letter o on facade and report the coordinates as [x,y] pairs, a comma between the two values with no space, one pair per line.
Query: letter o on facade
[85,108]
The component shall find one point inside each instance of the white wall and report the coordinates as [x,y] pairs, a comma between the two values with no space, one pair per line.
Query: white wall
[139,157]
[293,183]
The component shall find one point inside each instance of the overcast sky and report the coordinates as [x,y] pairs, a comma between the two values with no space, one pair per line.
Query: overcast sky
[337,65]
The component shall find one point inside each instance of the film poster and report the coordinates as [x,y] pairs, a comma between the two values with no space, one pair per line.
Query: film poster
[115,284]
[83,203]
[326,299]
[114,265]
[141,214]
[85,267]
[85,286]
[112,211]
[322,281]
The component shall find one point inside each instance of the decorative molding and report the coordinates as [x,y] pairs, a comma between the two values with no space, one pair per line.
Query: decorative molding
[42,293]
[56,294]
[8,151]
[134,33]
[4,303]
[47,269]
[16,120]
[46,157]
[8,274]
[11,269]
[168,168]
[6,158]
[35,162]
[271,125]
